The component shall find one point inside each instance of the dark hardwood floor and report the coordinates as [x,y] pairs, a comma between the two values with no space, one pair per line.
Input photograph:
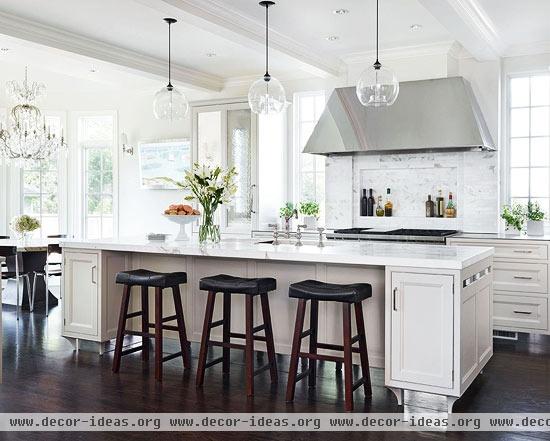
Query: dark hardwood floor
[42,373]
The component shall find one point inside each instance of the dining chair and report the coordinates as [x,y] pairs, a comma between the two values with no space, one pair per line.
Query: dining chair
[13,270]
[53,267]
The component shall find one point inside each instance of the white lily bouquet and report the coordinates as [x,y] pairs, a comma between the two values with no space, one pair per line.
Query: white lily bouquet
[210,187]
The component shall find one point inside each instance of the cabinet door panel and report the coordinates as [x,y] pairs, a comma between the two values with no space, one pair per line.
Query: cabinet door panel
[521,277]
[81,274]
[422,329]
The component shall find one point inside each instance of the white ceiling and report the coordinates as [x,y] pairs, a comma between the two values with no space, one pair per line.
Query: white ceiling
[102,29]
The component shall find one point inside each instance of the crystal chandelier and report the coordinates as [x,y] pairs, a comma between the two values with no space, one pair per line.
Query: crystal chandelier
[267,95]
[169,102]
[377,85]
[27,137]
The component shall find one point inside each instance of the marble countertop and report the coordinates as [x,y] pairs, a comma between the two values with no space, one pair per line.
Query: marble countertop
[348,253]
[490,236]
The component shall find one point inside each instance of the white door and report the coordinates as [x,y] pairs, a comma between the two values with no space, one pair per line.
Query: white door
[422,329]
[226,135]
[80,296]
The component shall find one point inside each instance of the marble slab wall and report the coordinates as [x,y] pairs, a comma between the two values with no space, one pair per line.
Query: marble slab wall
[472,177]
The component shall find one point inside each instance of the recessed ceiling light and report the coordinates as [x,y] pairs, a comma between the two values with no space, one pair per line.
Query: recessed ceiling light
[416,27]
[341,11]
[93,69]
[4,49]
[211,54]
[332,38]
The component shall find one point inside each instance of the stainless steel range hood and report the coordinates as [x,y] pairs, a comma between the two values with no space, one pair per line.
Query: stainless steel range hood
[429,115]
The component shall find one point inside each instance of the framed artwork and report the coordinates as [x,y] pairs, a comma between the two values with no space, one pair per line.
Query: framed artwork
[163,159]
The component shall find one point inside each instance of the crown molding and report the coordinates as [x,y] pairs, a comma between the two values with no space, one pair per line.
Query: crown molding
[35,32]
[442,48]
[216,17]
[470,26]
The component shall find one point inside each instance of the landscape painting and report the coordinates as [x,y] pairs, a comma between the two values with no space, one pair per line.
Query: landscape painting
[163,159]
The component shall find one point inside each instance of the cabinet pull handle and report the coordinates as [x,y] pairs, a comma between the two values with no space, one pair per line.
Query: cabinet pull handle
[523,251]
[523,277]
[395,299]
[523,312]
[93,271]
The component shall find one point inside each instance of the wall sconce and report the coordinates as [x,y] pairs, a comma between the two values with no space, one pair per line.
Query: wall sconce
[125,147]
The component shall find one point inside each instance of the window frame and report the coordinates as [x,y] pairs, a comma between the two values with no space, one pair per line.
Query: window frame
[79,167]
[506,176]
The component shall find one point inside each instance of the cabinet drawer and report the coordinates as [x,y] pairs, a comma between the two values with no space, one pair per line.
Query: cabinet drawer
[520,277]
[520,312]
[513,249]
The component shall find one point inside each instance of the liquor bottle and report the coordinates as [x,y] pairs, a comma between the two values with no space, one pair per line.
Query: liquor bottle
[430,207]
[370,204]
[450,211]
[440,204]
[379,209]
[364,201]
[388,207]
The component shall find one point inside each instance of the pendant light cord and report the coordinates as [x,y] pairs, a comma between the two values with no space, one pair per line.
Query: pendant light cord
[377,64]
[267,77]
[170,56]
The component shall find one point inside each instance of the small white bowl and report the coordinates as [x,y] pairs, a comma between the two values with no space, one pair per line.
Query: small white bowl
[182,221]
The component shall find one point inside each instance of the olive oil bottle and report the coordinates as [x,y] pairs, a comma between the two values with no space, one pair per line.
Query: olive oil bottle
[388,207]
[379,209]
[440,204]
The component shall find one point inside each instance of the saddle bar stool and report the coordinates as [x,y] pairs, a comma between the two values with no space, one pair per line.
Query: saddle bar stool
[159,281]
[348,295]
[250,288]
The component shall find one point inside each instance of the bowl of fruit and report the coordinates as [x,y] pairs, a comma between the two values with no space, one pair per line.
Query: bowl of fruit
[183,215]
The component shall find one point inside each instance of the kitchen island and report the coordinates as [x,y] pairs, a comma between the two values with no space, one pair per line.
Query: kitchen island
[428,322]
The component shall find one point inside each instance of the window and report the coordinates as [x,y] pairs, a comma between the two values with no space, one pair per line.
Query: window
[309,173]
[96,139]
[529,136]
[40,193]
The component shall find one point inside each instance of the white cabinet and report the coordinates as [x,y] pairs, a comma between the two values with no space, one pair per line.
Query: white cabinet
[80,300]
[91,298]
[421,329]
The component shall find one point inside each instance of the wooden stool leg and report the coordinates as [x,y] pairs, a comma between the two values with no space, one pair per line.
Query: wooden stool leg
[184,343]
[313,325]
[296,343]
[158,333]
[269,338]
[121,327]
[145,322]
[249,345]
[205,338]
[226,331]
[348,372]
[360,322]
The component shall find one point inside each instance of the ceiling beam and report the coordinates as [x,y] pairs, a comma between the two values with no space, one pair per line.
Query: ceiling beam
[28,30]
[221,20]
[470,25]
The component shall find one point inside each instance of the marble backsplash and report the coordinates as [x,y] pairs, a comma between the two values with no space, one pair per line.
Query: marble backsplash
[472,177]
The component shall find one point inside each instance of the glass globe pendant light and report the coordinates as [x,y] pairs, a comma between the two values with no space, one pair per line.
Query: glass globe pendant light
[377,85]
[169,102]
[267,95]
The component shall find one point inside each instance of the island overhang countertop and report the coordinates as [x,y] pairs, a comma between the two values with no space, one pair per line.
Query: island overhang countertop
[337,252]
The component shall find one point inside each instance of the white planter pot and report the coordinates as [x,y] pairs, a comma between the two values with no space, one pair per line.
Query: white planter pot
[311,222]
[535,228]
[511,231]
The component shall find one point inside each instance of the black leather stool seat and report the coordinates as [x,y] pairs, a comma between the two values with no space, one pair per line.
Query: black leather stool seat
[237,285]
[143,277]
[315,290]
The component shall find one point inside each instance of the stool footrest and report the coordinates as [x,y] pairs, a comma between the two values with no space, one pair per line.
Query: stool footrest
[335,347]
[258,328]
[166,327]
[134,314]
[172,356]
[302,375]
[132,350]
[359,383]
[304,334]
[321,357]
[213,362]
[226,345]
[139,334]
[170,318]
[264,368]
[355,339]
[216,324]
[239,335]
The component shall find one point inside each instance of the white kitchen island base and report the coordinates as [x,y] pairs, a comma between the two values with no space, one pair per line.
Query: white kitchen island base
[428,322]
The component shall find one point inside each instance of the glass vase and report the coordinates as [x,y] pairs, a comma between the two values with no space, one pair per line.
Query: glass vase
[209,232]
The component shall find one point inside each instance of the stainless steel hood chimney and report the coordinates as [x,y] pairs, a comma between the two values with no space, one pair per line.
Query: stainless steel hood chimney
[429,115]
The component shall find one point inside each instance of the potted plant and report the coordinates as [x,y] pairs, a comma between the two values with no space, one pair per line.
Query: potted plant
[210,187]
[514,217]
[23,225]
[535,219]
[310,211]
[287,212]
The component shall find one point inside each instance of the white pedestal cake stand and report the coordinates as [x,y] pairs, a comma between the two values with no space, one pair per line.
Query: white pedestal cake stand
[182,221]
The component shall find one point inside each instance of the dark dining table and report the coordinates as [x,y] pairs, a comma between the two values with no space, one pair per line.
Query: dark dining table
[34,253]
